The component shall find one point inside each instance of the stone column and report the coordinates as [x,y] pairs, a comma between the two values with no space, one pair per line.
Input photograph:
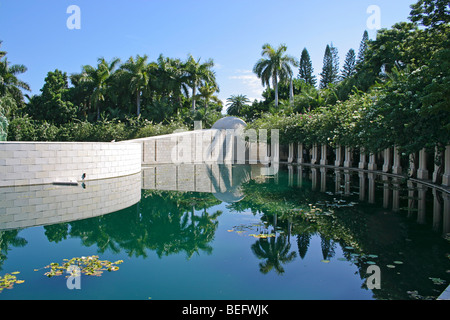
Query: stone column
[291,153]
[372,164]
[348,157]
[446,176]
[362,159]
[338,160]
[300,158]
[412,167]
[436,167]
[396,167]
[422,172]
[387,160]
[314,154]
[323,154]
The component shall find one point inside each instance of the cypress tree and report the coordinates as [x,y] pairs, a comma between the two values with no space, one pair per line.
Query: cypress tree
[349,68]
[330,70]
[306,69]
[363,47]
[335,65]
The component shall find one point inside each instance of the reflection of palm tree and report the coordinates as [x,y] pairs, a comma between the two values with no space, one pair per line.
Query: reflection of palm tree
[275,251]
[303,241]
[7,239]
[328,247]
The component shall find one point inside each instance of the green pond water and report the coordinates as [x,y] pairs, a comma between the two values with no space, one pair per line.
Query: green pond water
[230,232]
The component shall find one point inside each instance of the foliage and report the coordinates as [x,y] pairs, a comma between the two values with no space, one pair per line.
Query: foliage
[54,104]
[27,129]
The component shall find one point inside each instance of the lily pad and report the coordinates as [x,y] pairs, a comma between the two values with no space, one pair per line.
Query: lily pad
[391,266]
[398,262]
[370,262]
[325,261]
[437,281]
[8,281]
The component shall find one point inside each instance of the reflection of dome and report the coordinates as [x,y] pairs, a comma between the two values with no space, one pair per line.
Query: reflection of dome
[227,181]
[229,123]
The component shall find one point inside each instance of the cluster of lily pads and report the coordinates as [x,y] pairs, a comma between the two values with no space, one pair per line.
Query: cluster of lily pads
[8,280]
[90,266]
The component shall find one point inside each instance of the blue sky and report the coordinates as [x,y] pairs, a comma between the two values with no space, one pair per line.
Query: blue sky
[231,32]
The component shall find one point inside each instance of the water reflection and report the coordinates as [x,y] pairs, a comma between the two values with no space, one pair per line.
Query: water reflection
[173,210]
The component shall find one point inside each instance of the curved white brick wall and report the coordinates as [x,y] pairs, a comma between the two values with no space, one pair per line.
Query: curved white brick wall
[31,163]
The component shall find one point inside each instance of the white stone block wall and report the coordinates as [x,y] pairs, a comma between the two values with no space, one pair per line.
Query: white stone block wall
[31,163]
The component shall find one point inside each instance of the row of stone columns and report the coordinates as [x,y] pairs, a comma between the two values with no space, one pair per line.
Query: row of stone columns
[391,161]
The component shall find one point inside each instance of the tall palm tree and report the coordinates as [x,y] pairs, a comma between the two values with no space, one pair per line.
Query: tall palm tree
[98,79]
[197,74]
[235,103]
[140,75]
[275,65]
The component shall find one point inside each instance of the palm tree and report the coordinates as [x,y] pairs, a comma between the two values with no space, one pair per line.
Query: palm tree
[140,75]
[98,79]
[274,252]
[235,103]
[197,74]
[275,65]
[2,53]
[9,83]
[207,92]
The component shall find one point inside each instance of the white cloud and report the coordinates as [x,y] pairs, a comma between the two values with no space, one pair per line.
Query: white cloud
[251,84]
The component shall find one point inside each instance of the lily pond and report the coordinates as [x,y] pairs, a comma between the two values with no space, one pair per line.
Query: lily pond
[214,232]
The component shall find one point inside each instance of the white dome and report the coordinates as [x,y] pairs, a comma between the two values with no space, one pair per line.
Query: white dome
[229,123]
